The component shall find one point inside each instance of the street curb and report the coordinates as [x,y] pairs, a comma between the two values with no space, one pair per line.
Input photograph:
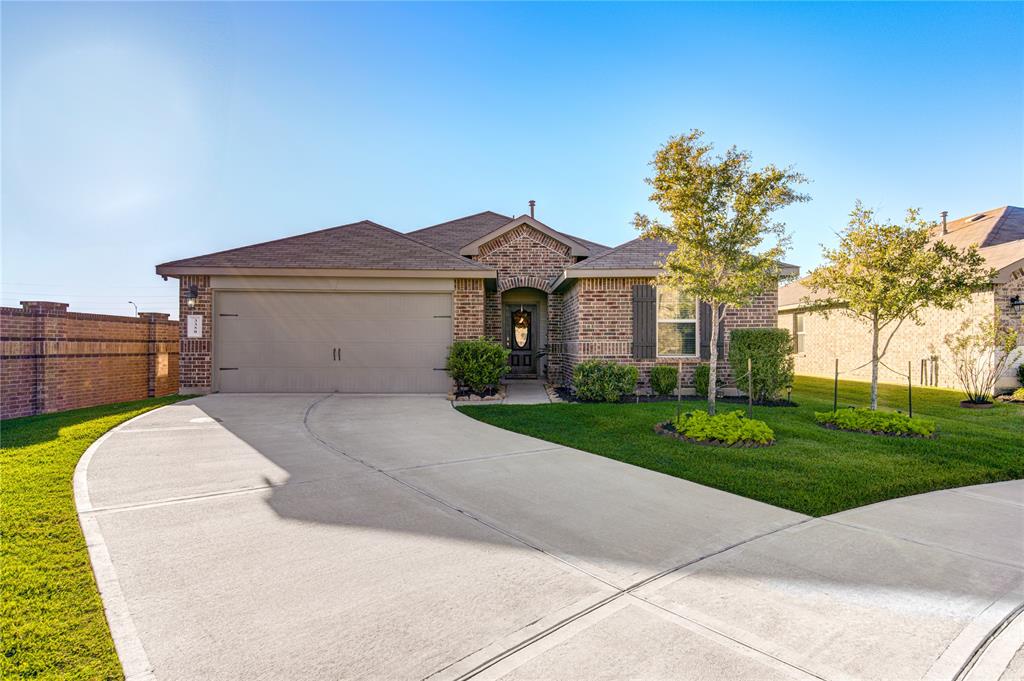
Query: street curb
[134,662]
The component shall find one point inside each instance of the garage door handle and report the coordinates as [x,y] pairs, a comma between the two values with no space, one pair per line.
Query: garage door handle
[334,354]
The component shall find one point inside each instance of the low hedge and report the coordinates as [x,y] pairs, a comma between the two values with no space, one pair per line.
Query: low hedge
[876,422]
[478,364]
[730,428]
[603,381]
[664,379]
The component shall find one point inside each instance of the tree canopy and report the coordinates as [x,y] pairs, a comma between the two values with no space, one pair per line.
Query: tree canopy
[727,245]
[886,273]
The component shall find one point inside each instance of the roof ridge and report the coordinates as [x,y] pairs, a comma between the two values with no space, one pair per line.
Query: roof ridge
[591,260]
[464,217]
[273,241]
[433,248]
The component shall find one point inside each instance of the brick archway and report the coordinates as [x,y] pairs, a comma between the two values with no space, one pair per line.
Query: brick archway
[523,281]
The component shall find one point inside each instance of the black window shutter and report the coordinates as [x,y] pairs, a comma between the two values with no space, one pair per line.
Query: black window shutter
[645,321]
[704,332]
[704,329]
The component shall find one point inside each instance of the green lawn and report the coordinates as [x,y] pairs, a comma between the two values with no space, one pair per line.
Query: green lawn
[52,618]
[810,470]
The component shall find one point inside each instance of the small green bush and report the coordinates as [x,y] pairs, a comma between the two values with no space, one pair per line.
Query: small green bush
[664,379]
[701,376]
[770,352]
[603,381]
[1018,395]
[870,421]
[478,364]
[728,428]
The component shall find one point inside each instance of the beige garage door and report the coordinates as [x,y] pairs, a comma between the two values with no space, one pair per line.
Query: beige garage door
[323,342]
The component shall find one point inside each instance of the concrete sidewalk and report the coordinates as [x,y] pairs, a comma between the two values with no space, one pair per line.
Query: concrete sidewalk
[311,536]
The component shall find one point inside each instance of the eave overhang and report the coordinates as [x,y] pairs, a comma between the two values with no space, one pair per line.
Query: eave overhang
[182,270]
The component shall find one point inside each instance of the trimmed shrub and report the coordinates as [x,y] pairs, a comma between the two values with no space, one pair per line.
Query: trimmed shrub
[664,379]
[701,376]
[478,364]
[1018,395]
[603,381]
[726,428]
[876,422]
[770,352]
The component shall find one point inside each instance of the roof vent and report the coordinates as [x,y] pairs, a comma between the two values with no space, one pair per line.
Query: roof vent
[979,216]
[944,214]
[533,204]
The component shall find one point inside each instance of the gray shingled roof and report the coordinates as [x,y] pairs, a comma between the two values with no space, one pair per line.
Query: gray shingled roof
[360,245]
[455,234]
[632,255]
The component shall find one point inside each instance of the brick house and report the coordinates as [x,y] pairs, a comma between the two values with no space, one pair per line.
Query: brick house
[999,235]
[363,308]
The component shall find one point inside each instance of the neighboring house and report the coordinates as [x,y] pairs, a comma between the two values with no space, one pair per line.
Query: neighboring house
[363,308]
[999,235]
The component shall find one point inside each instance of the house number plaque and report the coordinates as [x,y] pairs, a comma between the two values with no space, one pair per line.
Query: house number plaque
[195,326]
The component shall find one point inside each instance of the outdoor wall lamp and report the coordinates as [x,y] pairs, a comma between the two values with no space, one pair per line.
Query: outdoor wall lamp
[191,294]
[1016,303]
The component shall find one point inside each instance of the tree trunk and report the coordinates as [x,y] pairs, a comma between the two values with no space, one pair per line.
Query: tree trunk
[713,359]
[874,363]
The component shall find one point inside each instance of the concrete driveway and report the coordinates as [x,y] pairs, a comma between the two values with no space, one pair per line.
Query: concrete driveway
[336,537]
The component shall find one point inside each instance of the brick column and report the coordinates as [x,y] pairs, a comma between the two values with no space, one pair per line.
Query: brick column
[49,333]
[151,348]
[196,358]
[468,309]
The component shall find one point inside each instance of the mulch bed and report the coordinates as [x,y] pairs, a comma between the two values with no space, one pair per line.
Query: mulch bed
[831,426]
[668,430]
[566,395]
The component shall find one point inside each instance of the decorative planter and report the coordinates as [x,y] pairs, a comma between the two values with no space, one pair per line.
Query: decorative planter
[667,431]
[967,404]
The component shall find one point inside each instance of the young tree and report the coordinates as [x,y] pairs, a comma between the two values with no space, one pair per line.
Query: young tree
[885,274]
[720,212]
[980,353]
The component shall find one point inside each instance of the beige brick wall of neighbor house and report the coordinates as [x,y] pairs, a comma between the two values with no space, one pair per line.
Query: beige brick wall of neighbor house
[848,339]
[54,360]
[605,328]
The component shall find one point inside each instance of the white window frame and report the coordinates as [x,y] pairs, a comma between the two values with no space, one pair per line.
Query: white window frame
[799,335]
[657,327]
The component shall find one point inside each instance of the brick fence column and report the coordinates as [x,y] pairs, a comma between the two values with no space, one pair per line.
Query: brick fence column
[49,333]
[151,348]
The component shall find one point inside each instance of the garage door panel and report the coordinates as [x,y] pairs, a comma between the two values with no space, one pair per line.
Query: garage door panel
[285,341]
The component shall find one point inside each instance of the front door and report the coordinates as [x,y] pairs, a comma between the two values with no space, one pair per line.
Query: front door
[519,338]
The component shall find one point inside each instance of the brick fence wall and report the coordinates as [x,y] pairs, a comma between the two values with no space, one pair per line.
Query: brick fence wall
[53,360]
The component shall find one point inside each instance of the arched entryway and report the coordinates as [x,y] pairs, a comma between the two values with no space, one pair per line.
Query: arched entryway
[524,324]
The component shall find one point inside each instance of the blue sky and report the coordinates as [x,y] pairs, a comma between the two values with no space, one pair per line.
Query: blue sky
[134,134]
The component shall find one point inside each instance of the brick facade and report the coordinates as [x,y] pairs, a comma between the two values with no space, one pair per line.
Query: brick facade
[591,318]
[196,353]
[841,336]
[468,309]
[525,257]
[597,316]
[54,360]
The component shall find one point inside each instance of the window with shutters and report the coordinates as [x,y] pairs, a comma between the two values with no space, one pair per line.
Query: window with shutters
[677,324]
